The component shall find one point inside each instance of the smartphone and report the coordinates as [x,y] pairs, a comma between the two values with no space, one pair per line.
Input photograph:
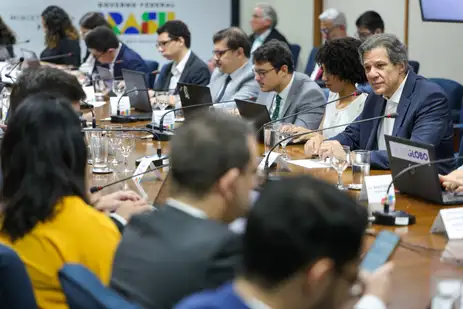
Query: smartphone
[380,251]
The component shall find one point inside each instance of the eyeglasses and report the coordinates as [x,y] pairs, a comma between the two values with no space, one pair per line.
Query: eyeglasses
[162,43]
[262,73]
[220,53]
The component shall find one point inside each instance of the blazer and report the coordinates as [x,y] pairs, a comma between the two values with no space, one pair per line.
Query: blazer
[168,254]
[128,59]
[424,116]
[274,34]
[242,86]
[303,94]
[65,46]
[195,72]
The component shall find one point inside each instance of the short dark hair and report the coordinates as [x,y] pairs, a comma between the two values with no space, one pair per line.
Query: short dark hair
[199,155]
[45,79]
[297,221]
[340,57]
[236,38]
[176,29]
[275,52]
[370,20]
[101,39]
[91,20]
[43,158]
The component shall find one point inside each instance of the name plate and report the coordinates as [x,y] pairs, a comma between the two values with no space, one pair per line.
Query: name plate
[374,190]
[169,119]
[450,222]
[409,153]
[272,157]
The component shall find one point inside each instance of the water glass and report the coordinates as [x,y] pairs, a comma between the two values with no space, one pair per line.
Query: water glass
[340,161]
[118,87]
[127,146]
[360,160]
[88,140]
[285,132]
[114,142]
[271,136]
[99,145]
[162,99]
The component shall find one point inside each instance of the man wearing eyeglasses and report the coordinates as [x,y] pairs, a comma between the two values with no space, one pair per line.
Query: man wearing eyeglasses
[174,40]
[284,91]
[301,250]
[233,77]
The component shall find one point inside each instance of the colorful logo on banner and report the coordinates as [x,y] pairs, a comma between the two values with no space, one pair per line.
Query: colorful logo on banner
[148,23]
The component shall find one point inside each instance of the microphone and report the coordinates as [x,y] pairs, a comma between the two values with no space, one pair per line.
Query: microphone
[355,93]
[266,167]
[21,60]
[17,43]
[56,57]
[92,111]
[99,188]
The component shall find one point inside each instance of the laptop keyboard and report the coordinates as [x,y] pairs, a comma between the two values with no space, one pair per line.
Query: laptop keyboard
[449,197]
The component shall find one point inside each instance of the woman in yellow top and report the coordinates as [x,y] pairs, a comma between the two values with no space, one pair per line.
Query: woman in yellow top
[45,216]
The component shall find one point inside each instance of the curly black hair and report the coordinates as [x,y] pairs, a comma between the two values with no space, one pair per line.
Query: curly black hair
[7,36]
[58,26]
[341,58]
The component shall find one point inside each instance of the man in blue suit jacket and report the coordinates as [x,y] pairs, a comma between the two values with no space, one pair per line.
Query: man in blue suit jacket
[299,255]
[174,41]
[422,107]
[107,49]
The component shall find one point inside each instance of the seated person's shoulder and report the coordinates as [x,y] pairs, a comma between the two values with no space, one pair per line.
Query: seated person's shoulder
[209,299]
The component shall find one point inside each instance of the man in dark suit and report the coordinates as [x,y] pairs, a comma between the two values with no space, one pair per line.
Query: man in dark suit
[174,41]
[422,106]
[263,23]
[104,45]
[186,245]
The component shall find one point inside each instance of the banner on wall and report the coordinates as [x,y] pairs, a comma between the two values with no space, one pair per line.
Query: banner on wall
[134,21]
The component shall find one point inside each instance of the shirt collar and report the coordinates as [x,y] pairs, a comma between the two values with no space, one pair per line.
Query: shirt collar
[284,93]
[181,65]
[117,54]
[264,35]
[239,71]
[192,211]
[398,93]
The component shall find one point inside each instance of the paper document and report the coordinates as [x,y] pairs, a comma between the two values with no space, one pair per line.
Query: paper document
[311,163]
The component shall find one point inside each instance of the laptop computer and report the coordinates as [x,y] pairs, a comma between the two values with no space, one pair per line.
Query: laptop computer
[138,99]
[104,73]
[30,59]
[194,94]
[422,182]
[254,112]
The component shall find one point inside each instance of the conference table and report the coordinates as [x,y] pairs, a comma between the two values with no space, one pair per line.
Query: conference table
[417,262]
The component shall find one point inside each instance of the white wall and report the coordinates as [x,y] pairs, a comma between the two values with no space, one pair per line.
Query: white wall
[294,22]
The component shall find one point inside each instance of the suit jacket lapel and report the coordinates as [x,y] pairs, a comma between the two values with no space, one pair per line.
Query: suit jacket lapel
[378,111]
[291,94]
[188,64]
[404,102]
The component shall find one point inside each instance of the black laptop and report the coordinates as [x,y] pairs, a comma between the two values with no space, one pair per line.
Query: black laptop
[254,112]
[423,181]
[192,95]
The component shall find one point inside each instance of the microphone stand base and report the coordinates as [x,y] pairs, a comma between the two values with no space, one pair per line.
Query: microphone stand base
[393,218]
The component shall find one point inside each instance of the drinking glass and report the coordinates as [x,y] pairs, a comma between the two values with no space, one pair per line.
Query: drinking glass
[88,140]
[162,99]
[271,136]
[340,161]
[114,142]
[285,132]
[118,87]
[127,146]
[360,160]
[99,144]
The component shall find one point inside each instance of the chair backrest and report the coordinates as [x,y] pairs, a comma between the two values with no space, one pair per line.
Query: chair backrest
[84,290]
[415,65]
[454,91]
[152,66]
[295,50]
[311,61]
[15,286]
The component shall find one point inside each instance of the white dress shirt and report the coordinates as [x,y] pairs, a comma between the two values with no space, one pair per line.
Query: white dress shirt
[111,66]
[177,70]
[315,71]
[387,125]
[88,65]
[284,96]
[258,41]
[192,211]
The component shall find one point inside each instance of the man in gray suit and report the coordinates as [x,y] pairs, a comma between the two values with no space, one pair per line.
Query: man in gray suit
[284,91]
[186,245]
[233,77]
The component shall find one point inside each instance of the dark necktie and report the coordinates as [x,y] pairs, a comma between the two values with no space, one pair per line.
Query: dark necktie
[222,92]
[276,111]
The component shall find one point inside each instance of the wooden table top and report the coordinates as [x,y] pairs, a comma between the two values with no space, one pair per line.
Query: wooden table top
[415,268]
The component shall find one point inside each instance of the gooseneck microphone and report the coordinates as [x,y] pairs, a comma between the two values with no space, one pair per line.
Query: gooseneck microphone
[92,111]
[99,188]
[355,93]
[118,112]
[21,60]
[266,167]
[56,57]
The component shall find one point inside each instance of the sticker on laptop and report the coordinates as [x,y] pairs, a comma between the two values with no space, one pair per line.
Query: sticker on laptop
[409,153]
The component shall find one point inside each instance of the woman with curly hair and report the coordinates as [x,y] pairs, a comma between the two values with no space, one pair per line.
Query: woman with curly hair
[61,37]
[342,70]
[7,40]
